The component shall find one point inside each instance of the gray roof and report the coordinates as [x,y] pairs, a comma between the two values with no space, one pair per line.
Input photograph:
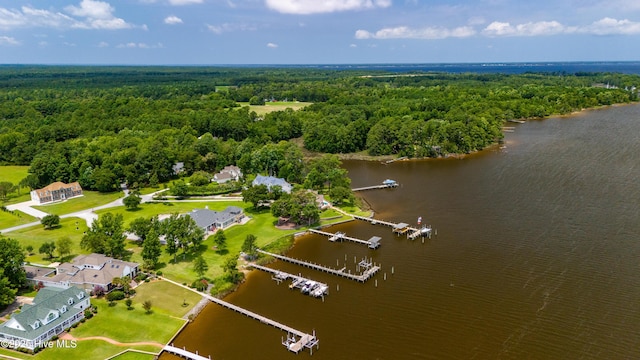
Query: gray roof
[270,181]
[205,217]
[47,300]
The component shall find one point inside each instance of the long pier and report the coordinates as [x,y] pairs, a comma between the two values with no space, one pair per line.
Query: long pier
[184,353]
[366,275]
[306,286]
[399,228]
[373,187]
[304,340]
[372,243]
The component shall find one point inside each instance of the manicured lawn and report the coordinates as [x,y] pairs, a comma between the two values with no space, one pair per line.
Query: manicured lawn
[86,349]
[166,298]
[89,200]
[37,235]
[14,174]
[120,324]
[132,355]
[8,219]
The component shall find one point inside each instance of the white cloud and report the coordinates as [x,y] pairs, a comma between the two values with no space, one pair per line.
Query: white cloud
[88,14]
[226,27]
[272,45]
[609,26]
[405,32]
[605,26]
[103,44]
[134,45]
[7,40]
[539,28]
[172,20]
[184,2]
[306,7]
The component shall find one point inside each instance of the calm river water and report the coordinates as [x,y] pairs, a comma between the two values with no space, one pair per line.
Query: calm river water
[536,257]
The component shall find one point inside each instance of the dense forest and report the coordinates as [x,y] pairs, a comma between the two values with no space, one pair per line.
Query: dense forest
[103,125]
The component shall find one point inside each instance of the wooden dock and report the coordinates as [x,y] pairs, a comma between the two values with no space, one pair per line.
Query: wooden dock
[372,243]
[184,353]
[293,344]
[399,228]
[306,286]
[373,187]
[366,275]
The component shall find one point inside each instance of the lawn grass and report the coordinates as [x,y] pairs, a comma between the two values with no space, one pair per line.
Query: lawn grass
[15,174]
[37,235]
[11,219]
[90,199]
[127,326]
[86,349]
[275,106]
[166,298]
[133,355]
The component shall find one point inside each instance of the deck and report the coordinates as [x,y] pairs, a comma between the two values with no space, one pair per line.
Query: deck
[363,277]
[372,243]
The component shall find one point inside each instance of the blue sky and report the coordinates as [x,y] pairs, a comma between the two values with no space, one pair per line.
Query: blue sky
[203,32]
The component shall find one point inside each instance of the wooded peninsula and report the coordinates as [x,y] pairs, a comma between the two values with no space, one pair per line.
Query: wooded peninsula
[102,126]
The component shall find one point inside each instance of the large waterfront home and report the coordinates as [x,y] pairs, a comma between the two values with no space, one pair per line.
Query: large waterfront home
[57,191]
[210,220]
[271,181]
[84,272]
[53,311]
[228,173]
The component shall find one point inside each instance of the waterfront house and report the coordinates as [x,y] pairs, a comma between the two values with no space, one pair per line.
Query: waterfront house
[53,311]
[84,272]
[57,191]
[210,220]
[229,173]
[271,181]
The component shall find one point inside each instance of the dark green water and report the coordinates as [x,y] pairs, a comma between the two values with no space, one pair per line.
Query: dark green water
[537,257]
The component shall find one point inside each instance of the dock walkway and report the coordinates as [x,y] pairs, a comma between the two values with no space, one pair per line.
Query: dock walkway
[305,340]
[184,353]
[399,228]
[366,275]
[372,243]
[306,286]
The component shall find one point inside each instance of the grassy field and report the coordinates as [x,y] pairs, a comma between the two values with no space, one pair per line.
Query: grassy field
[132,355]
[89,200]
[14,174]
[86,349]
[275,106]
[166,298]
[8,219]
[37,235]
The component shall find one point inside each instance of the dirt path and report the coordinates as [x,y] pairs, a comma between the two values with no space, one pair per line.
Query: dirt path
[67,336]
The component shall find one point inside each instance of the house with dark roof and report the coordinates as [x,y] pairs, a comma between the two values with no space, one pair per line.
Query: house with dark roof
[53,311]
[57,191]
[84,272]
[210,220]
[229,173]
[271,181]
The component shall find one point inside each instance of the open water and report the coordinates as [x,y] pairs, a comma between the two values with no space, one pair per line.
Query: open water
[536,257]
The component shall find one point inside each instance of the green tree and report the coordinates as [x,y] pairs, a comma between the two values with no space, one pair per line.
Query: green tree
[142,226]
[151,249]
[146,305]
[50,221]
[29,249]
[249,245]
[6,187]
[7,292]
[220,239]
[132,201]
[47,248]
[341,194]
[256,195]
[106,236]
[129,302]
[256,100]
[230,268]
[11,260]
[180,188]
[200,266]
[64,246]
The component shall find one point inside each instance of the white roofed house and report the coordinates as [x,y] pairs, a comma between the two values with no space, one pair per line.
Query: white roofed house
[210,220]
[271,181]
[53,311]
[84,272]
[228,173]
[57,191]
